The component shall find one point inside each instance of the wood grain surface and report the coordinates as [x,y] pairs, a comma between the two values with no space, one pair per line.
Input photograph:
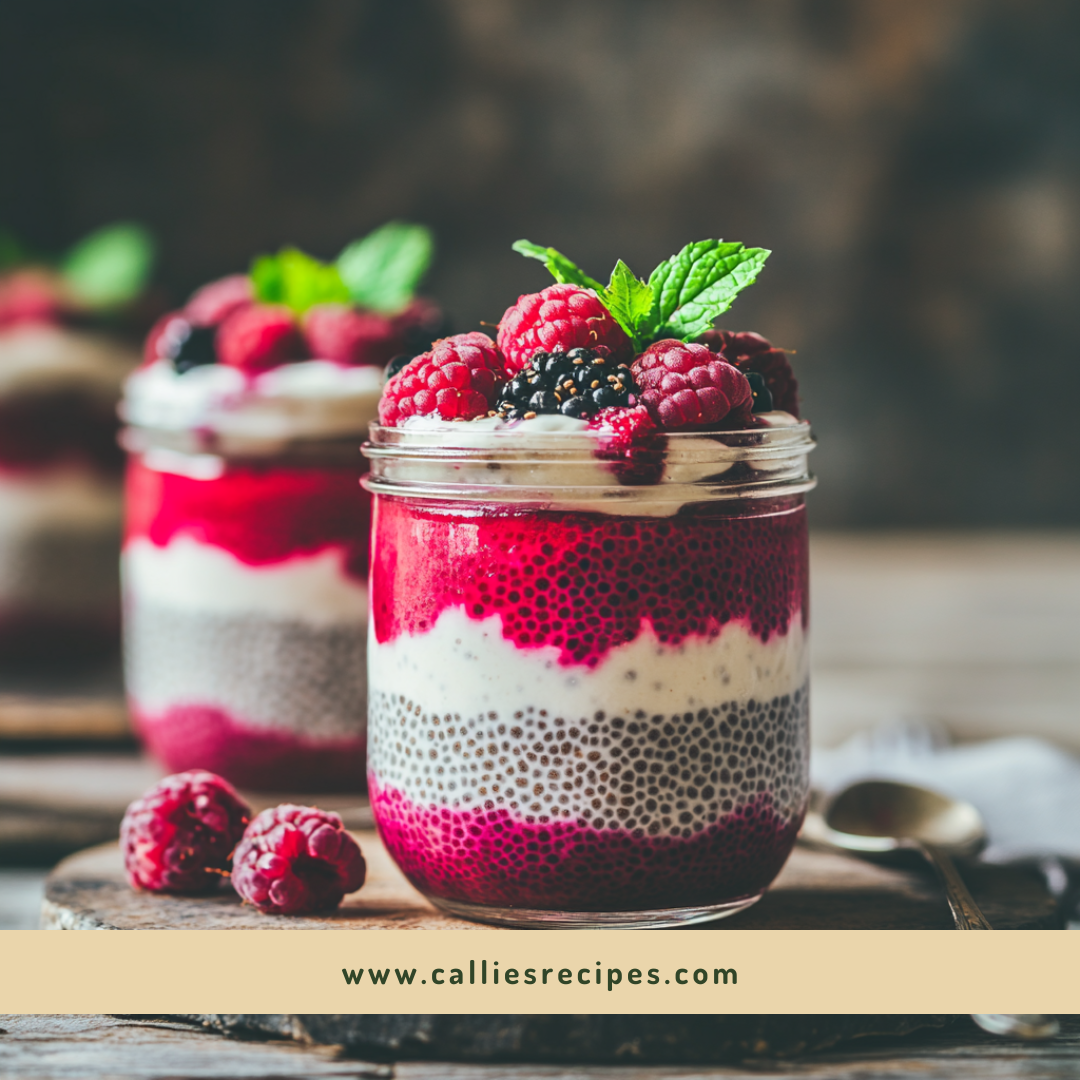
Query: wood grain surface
[109,1048]
[815,891]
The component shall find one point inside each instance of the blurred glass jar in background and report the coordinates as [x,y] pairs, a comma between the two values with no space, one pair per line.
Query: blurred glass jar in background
[63,359]
[245,555]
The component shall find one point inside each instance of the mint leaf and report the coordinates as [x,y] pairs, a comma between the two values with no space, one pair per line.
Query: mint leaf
[296,280]
[382,270]
[692,288]
[630,302]
[111,266]
[559,266]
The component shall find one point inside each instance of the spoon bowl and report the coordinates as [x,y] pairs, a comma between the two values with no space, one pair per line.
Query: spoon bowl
[896,815]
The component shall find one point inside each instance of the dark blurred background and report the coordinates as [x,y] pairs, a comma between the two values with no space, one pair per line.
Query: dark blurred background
[915,167]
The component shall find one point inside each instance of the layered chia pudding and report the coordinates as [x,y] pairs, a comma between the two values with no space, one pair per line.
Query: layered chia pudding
[64,353]
[246,548]
[588,698]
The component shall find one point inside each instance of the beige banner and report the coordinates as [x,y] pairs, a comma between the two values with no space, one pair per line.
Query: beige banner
[592,971]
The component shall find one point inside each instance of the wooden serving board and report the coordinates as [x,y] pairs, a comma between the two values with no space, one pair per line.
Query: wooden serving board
[815,891]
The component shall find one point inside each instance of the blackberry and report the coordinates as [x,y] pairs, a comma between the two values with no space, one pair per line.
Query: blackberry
[577,383]
[763,401]
[192,349]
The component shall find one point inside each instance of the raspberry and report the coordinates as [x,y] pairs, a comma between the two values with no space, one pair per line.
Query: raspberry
[29,297]
[686,386]
[350,336]
[179,836]
[622,428]
[561,318]
[259,337]
[626,438]
[752,352]
[297,859]
[214,303]
[457,380]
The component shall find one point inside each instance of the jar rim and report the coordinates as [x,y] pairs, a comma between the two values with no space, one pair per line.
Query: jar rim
[570,467]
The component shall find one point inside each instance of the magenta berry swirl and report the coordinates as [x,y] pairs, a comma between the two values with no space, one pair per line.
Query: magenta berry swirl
[585,583]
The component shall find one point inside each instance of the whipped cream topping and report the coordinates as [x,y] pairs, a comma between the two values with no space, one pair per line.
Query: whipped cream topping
[304,400]
[41,358]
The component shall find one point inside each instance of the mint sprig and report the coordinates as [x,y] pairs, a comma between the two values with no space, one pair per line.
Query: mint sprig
[683,296]
[382,270]
[111,266]
[379,272]
[559,266]
[296,280]
[631,304]
[693,288]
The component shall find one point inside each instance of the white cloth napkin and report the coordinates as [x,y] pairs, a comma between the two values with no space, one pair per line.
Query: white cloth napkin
[1027,790]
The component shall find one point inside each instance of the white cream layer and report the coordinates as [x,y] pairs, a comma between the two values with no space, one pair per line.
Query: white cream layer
[308,399]
[466,666]
[191,577]
[45,359]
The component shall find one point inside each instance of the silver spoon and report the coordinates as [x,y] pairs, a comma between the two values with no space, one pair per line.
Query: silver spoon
[879,816]
[883,815]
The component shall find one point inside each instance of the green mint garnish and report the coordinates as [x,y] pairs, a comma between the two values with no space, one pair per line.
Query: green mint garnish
[382,271]
[296,280]
[684,294]
[559,266]
[693,288]
[111,266]
[630,302]
[379,272]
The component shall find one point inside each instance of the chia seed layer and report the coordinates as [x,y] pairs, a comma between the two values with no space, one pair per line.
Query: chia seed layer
[593,813]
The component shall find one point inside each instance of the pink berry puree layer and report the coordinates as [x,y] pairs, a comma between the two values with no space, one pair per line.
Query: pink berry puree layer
[585,583]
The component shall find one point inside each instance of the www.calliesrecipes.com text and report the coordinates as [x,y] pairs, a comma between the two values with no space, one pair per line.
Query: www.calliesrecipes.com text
[483,973]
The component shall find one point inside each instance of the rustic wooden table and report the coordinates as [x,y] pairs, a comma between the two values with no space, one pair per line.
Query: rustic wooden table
[100,1047]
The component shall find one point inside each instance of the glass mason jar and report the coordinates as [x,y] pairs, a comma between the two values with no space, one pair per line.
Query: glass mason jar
[245,608]
[588,680]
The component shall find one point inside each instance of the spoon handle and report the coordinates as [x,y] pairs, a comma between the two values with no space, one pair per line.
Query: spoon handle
[965,911]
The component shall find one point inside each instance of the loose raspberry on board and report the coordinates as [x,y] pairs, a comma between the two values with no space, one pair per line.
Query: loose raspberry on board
[294,860]
[179,836]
